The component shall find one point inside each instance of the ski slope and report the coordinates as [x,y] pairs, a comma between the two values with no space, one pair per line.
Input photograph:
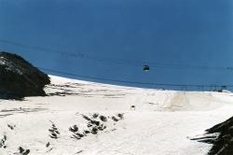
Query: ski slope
[160,124]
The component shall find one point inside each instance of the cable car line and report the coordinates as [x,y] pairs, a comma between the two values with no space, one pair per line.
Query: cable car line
[137,82]
[119,61]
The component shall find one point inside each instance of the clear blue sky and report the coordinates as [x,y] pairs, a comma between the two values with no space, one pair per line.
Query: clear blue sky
[183,41]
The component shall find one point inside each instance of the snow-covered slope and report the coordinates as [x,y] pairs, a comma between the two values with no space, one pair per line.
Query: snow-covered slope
[86,118]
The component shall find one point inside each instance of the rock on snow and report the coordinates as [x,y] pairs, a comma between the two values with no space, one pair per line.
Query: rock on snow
[18,78]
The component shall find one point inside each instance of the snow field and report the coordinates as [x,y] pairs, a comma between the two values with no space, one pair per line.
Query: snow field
[161,123]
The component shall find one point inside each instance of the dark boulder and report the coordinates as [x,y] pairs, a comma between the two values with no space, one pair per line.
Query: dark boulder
[18,78]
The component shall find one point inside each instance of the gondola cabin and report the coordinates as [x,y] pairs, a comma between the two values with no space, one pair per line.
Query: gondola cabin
[146,68]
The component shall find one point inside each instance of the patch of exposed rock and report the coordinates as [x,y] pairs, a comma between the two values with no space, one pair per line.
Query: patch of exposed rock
[221,138]
[19,78]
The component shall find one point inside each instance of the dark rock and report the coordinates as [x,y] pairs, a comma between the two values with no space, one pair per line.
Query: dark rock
[54,133]
[79,134]
[95,115]
[48,144]
[76,136]
[26,152]
[101,127]
[86,118]
[103,118]
[94,122]
[18,78]
[94,130]
[3,141]
[223,142]
[89,125]
[11,126]
[115,119]
[74,128]
[221,127]
[120,115]
[21,150]
[86,132]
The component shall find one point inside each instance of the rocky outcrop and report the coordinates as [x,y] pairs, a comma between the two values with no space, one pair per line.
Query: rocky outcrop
[18,78]
[221,137]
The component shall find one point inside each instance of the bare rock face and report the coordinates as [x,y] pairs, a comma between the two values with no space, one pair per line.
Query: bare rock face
[221,138]
[18,78]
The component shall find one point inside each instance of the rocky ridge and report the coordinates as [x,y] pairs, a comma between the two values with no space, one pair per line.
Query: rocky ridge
[19,78]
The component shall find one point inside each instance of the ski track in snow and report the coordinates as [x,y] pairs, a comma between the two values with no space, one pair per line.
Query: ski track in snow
[160,124]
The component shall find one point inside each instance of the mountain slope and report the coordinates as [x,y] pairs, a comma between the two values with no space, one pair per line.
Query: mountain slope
[80,117]
[19,78]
